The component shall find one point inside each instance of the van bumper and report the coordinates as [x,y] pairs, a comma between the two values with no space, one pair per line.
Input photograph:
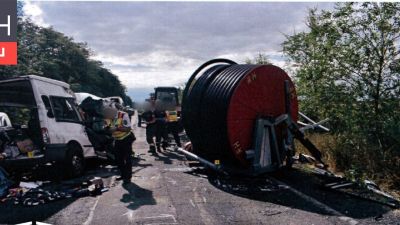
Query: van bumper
[53,152]
[22,162]
[56,152]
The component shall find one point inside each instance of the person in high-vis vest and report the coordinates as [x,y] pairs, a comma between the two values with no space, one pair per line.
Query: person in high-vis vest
[119,125]
[161,126]
[149,118]
[173,126]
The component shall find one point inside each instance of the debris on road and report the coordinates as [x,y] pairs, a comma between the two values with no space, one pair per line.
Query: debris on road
[30,185]
[246,186]
[37,196]
[366,190]
[31,193]
[5,183]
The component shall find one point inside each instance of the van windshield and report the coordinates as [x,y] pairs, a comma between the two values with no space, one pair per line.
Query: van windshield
[17,93]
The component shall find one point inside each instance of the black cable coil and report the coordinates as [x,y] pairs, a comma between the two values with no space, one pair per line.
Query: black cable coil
[205,102]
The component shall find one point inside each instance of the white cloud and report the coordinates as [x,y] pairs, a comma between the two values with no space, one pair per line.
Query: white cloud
[162,68]
[34,12]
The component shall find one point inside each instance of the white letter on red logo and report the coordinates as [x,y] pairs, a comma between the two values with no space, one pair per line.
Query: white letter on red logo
[8,25]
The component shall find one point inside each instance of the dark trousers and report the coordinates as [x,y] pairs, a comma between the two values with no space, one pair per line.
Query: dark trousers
[161,133]
[150,133]
[123,152]
[173,128]
[139,120]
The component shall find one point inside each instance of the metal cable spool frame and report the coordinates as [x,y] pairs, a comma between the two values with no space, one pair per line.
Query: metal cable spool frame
[222,102]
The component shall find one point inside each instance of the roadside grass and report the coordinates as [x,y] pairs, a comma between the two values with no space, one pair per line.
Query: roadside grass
[357,163]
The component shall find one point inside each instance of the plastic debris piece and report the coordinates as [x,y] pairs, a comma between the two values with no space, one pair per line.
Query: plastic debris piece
[29,185]
[303,158]
[92,188]
[5,183]
[97,181]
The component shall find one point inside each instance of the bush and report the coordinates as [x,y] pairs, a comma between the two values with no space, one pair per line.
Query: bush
[357,159]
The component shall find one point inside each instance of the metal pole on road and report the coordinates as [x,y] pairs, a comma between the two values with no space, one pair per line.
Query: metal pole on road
[205,162]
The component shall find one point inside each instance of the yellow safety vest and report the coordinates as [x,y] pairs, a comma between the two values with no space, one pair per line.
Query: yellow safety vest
[172,116]
[118,122]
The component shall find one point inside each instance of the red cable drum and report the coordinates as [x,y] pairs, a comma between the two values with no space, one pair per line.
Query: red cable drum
[222,101]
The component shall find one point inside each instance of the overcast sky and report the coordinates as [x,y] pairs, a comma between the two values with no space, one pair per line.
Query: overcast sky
[160,44]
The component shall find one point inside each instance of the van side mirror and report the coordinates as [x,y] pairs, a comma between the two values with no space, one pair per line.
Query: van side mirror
[50,114]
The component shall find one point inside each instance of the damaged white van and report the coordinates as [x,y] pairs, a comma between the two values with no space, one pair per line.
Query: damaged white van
[43,125]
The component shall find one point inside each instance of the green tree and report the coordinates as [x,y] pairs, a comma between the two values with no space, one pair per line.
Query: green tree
[261,59]
[348,69]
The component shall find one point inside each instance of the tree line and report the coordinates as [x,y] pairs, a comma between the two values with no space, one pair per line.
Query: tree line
[46,52]
[347,68]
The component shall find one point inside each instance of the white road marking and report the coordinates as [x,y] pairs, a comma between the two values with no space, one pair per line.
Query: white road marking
[172,181]
[206,217]
[348,219]
[178,169]
[91,213]
[160,216]
[131,218]
[129,215]
[314,201]
[155,177]
[160,223]
[191,202]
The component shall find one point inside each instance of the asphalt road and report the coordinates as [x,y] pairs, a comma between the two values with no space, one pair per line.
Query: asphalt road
[168,189]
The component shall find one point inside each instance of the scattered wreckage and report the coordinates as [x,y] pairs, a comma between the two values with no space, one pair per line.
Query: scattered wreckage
[114,101]
[38,193]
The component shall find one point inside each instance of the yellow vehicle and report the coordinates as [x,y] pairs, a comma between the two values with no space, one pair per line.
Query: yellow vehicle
[169,97]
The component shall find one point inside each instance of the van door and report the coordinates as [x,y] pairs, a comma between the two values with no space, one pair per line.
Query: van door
[68,124]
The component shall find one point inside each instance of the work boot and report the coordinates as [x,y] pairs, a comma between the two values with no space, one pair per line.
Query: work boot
[164,145]
[127,181]
[152,149]
[158,147]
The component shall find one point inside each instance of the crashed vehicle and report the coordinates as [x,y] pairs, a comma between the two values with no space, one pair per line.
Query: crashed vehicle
[43,124]
[115,101]
[80,96]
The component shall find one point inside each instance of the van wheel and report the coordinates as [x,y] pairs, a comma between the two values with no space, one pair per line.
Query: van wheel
[75,162]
